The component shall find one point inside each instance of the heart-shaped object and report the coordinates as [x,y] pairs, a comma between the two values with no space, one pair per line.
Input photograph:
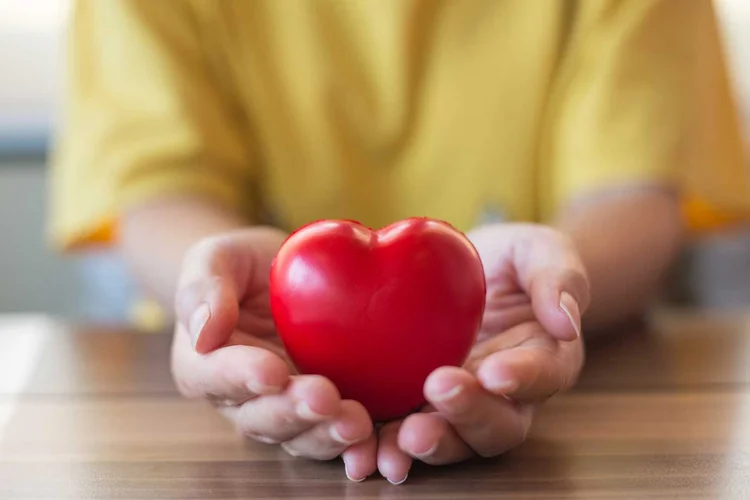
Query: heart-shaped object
[377,311]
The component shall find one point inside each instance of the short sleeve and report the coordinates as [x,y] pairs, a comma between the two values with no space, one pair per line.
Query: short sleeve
[145,115]
[642,97]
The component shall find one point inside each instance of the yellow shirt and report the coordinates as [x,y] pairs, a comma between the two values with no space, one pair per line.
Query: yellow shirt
[377,110]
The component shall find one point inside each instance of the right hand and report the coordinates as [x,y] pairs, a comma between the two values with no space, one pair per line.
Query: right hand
[226,351]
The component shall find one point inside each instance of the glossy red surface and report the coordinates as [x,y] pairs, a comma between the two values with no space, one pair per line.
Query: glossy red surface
[377,311]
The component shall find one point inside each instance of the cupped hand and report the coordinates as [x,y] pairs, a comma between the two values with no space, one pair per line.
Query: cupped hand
[225,351]
[529,348]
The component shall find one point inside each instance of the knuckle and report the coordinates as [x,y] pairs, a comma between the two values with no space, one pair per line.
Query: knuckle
[206,247]
[200,252]
[187,295]
[556,237]
[541,233]
[204,255]
[553,235]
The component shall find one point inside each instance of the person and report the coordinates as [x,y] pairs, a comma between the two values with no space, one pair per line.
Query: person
[575,143]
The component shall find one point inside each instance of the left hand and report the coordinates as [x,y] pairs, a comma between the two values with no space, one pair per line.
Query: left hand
[529,348]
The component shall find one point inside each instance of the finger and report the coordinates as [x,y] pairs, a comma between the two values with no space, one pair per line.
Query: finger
[533,371]
[217,275]
[328,440]
[551,272]
[546,266]
[489,424]
[505,299]
[208,311]
[553,298]
[513,337]
[360,459]
[502,319]
[430,438]
[393,463]
[274,345]
[307,401]
[227,376]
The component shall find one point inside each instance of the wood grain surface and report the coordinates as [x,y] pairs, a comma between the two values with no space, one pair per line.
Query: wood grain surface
[89,412]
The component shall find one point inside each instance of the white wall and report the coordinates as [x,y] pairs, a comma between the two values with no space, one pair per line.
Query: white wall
[32,277]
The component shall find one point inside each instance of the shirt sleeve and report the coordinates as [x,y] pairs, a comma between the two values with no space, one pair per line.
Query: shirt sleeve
[642,98]
[146,114]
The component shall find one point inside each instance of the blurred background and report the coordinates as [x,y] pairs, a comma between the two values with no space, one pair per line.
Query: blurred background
[91,287]
[715,271]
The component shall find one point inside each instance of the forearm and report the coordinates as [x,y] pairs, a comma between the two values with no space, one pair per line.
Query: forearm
[155,237]
[627,243]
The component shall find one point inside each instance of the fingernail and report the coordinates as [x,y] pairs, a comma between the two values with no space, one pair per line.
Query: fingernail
[570,307]
[304,411]
[349,476]
[336,436]
[266,439]
[448,395]
[261,438]
[399,482]
[427,453]
[198,321]
[502,386]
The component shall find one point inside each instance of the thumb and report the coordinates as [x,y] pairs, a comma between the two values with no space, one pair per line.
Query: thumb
[208,310]
[559,298]
[545,264]
[217,275]
[552,273]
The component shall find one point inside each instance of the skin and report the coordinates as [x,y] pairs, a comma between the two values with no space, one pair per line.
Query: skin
[597,266]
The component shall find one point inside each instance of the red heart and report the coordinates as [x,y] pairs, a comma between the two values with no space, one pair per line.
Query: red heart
[377,311]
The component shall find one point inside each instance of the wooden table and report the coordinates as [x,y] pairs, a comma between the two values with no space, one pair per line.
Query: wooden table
[92,413]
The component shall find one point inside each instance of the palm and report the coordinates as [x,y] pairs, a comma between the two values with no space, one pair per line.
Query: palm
[526,351]
[225,350]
